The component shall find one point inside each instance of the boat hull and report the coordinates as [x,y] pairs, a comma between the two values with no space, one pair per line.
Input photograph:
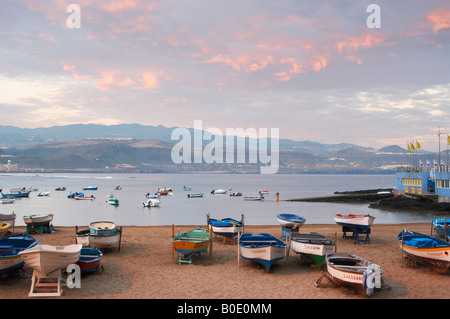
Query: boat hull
[354,221]
[38,220]
[9,251]
[90,258]
[426,250]
[348,270]
[193,241]
[442,227]
[263,249]
[313,246]
[290,220]
[46,258]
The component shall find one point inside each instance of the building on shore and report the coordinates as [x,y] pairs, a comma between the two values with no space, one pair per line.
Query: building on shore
[9,167]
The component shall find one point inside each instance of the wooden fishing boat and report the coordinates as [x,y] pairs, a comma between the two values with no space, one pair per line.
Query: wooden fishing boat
[38,219]
[425,250]
[192,241]
[165,191]
[227,227]
[442,227]
[313,245]
[4,227]
[42,194]
[152,202]
[113,201]
[196,195]
[90,258]
[60,189]
[354,272]
[8,218]
[103,234]
[47,258]
[291,220]
[16,194]
[263,249]
[10,247]
[254,198]
[354,221]
[262,193]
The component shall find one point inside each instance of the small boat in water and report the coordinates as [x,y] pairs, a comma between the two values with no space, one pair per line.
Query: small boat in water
[152,202]
[113,201]
[82,197]
[90,258]
[313,245]
[263,249]
[354,221]
[425,250]
[5,200]
[90,188]
[218,191]
[165,191]
[354,272]
[262,193]
[193,241]
[196,195]
[291,220]
[254,198]
[41,194]
[10,247]
[47,258]
[227,227]
[187,188]
[38,219]
[442,227]
[60,189]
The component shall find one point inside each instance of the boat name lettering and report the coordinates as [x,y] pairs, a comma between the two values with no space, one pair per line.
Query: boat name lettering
[353,276]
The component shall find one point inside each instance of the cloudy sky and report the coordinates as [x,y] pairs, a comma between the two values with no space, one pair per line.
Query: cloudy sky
[313,69]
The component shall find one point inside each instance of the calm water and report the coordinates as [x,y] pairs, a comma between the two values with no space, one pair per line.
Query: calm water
[180,210]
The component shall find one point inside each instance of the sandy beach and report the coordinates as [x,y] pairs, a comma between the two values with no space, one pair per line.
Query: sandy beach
[144,269]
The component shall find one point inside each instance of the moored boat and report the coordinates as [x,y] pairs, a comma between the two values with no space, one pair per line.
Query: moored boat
[152,202]
[218,191]
[80,197]
[254,198]
[10,247]
[187,188]
[313,245]
[47,258]
[425,250]
[354,221]
[196,195]
[90,188]
[113,201]
[38,219]
[90,258]
[227,227]
[354,272]
[6,200]
[264,249]
[193,241]
[291,220]
[101,234]
[41,194]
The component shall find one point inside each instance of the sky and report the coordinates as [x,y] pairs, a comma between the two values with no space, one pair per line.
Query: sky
[313,69]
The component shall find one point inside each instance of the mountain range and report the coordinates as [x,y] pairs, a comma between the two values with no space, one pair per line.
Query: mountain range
[145,148]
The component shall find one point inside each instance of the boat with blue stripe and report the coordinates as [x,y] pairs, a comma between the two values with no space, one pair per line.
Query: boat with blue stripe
[264,249]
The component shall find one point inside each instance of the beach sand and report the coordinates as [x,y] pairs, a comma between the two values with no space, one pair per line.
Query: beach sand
[144,269]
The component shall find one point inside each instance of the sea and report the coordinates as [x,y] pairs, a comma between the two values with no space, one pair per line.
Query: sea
[178,209]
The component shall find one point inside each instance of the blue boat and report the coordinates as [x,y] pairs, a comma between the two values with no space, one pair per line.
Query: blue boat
[441,227]
[89,260]
[290,220]
[227,227]
[90,188]
[10,247]
[16,195]
[263,249]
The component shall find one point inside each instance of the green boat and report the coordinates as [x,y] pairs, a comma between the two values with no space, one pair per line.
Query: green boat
[193,241]
[313,245]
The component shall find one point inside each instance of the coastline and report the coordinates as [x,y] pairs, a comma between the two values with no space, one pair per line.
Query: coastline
[144,269]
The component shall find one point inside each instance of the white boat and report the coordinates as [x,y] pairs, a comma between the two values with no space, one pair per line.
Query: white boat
[264,249]
[85,197]
[227,227]
[38,219]
[6,200]
[254,198]
[355,272]
[101,235]
[354,221]
[218,191]
[47,258]
[152,202]
[291,220]
[313,245]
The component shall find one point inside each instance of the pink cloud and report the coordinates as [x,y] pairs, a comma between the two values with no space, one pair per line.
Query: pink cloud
[440,18]
[110,82]
[76,75]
